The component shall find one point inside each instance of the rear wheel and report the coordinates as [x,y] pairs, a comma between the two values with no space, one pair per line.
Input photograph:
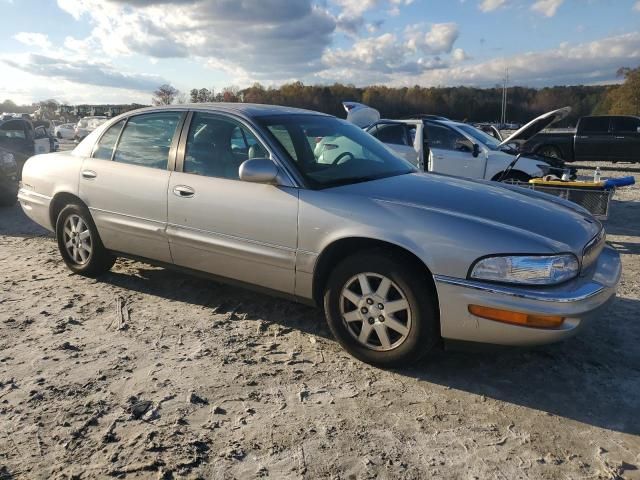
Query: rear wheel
[79,242]
[381,308]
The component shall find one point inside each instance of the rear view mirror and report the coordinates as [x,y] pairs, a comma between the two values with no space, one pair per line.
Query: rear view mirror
[476,150]
[258,170]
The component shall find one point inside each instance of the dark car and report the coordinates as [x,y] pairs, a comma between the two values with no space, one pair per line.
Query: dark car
[598,138]
[8,178]
[19,137]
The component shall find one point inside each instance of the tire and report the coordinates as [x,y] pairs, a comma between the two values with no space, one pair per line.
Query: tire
[415,330]
[549,151]
[79,242]
[513,177]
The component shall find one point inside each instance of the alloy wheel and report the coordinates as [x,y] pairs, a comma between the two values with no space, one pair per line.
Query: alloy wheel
[375,311]
[77,239]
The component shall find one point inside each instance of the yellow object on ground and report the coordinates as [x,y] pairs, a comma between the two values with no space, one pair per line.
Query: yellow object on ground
[559,183]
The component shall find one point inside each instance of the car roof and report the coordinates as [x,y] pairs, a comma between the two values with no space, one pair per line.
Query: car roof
[243,109]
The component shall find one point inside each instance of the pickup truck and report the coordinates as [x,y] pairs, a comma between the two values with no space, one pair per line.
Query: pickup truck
[604,138]
[454,148]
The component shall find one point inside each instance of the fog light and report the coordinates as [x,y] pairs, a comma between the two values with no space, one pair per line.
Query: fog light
[516,318]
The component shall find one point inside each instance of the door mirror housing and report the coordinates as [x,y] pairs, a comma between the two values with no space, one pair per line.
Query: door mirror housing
[258,170]
[476,150]
[638,129]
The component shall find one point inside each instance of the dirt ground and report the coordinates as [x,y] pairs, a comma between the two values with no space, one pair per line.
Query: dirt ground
[146,373]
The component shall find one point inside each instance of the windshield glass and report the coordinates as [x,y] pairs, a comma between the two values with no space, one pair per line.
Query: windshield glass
[484,138]
[328,151]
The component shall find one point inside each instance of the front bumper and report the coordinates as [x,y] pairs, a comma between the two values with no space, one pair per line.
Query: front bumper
[578,301]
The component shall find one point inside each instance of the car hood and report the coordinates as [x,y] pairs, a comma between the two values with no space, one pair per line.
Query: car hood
[536,126]
[360,114]
[560,224]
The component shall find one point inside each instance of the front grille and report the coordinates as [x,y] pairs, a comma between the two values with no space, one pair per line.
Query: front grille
[592,249]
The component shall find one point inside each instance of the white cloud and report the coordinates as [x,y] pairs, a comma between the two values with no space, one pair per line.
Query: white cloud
[491,5]
[39,40]
[459,55]
[439,39]
[547,8]
[636,7]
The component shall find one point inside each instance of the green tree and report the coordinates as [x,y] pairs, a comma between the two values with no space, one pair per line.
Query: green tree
[623,99]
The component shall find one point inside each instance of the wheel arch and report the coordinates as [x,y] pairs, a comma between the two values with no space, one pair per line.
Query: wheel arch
[58,202]
[340,249]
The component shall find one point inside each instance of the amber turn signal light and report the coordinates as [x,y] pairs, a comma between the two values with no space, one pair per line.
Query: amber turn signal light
[516,318]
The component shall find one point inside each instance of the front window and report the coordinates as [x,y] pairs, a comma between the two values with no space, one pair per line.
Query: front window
[484,138]
[329,152]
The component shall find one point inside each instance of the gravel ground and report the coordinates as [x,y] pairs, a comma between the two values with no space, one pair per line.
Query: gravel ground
[146,373]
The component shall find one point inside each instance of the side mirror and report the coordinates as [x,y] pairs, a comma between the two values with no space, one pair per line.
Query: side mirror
[258,170]
[476,150]
[638,129]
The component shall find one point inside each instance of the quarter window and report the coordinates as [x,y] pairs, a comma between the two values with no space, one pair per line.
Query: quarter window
[147,138]
[104,149]
[216,147]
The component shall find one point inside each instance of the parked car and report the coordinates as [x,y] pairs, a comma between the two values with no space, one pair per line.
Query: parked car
[607,138]
[66,131]
[461,149]
[18,136]
[8,179]
[87,125]
[398,258]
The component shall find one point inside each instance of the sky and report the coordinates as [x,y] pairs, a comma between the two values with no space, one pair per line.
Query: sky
[119,51]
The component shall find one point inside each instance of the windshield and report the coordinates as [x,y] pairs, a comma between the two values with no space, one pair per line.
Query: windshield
[328,151]
[484,138]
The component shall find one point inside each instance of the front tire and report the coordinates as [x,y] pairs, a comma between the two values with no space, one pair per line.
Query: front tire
[516,177]
[79,242]
[382,308]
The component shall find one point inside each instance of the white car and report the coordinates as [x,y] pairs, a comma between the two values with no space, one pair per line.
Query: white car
[87,125]
[66,131]
[454,148]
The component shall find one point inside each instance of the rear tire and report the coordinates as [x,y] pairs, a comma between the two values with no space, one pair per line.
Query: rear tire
[382,308]
[79,242]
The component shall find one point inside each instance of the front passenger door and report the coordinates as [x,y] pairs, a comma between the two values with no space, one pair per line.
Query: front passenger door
[450,153]
[222,225]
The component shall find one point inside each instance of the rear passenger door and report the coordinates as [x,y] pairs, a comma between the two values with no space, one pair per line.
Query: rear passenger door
[626,146]
[124,183]
[221,224]
[397,136]
[593,141]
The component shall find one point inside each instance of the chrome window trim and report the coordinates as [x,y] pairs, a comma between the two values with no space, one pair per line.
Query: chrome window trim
[584,292]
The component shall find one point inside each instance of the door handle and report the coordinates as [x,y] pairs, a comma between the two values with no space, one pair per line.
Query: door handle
[89,174]
[183,191]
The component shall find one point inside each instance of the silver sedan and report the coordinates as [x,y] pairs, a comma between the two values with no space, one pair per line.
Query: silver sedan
[398,259]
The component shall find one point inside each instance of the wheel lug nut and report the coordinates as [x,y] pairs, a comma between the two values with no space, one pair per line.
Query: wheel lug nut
[371,320]
[381,318]
[380,306]
[364,310]
[369,301]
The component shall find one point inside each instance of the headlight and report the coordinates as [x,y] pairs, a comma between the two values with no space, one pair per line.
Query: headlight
[527,270]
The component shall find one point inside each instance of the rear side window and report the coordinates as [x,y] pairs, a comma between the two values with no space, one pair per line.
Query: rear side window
[146,139]
[104,149]
[14,129]
[594,125]
[394,134]
[626,124]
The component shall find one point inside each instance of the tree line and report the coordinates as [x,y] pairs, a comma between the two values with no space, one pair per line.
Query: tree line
[460,103]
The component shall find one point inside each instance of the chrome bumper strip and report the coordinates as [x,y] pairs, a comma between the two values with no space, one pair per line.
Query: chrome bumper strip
[583,292]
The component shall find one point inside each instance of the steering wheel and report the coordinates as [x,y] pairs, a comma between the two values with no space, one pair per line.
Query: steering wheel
[341,156]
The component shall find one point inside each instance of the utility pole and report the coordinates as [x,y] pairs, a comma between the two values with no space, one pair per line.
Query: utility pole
[503,114]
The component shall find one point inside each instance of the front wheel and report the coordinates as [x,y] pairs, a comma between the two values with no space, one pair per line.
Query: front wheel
[382,309]
[79,242]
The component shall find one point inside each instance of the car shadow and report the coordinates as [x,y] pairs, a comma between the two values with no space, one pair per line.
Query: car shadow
[623,218]
[220,298]
[14,223]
